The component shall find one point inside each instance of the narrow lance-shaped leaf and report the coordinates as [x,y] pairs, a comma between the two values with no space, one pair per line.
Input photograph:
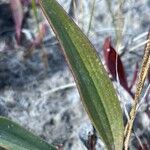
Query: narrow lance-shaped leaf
[14,137]
[95,87]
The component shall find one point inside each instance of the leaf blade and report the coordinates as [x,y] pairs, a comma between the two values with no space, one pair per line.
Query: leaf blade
[114,63]
[14,137]
[89,74]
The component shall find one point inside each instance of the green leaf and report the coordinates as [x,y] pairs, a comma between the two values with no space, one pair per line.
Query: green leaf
[14,137]
[94,85]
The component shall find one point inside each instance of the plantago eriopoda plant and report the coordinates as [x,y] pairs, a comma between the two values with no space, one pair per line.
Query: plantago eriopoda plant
[95,88]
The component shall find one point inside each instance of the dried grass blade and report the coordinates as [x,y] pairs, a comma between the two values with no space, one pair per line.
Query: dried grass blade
[91,18]
[118,20]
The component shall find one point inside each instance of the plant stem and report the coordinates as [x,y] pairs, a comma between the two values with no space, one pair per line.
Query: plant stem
[142,76]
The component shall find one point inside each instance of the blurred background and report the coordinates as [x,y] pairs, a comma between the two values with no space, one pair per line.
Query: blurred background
[37,89]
